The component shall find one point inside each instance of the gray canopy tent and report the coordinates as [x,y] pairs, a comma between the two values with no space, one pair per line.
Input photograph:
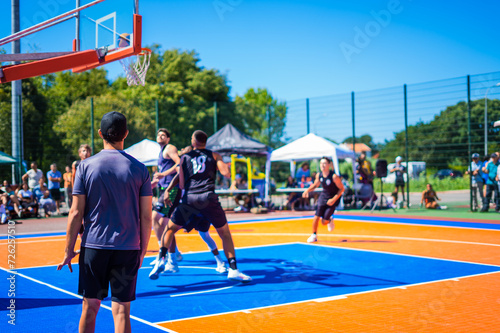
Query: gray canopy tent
[229,140]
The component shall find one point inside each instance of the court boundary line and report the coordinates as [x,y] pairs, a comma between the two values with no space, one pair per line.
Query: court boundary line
[81,297]
[327,299]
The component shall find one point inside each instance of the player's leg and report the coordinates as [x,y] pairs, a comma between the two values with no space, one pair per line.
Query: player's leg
[90,307]
[228,245]
[221,265]
[121,316]
[166,242]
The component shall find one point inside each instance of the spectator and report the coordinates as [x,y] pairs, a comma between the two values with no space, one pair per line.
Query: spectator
[241,184]
[293,196]
[491,184]
[55,177]
[48,204]
[399,171]
[5,184]
[27,201]
[12,202]
[303,172]
[476,172]
[34,176]
[68,185]
[430,198]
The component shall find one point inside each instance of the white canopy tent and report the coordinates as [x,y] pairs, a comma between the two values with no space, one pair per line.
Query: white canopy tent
[146,152]
[311,147]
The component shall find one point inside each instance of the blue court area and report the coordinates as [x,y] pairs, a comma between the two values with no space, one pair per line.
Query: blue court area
[281,274]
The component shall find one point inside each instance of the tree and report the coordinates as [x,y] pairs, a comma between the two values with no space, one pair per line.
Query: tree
[264,118]
[73,127]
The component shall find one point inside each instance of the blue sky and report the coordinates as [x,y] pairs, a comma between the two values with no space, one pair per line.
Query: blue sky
[294,48]
[300,49]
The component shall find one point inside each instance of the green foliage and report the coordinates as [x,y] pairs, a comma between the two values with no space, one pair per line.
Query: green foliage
[443,142]
[56,107]
[263,116]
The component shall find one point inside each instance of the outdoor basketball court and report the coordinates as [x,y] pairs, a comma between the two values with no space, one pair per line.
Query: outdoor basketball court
[372,274]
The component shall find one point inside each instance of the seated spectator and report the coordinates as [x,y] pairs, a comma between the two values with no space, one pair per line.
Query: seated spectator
[48,204]
[241,184]
[38,191]
[430,198]
[293,197]
[4,217]
[29,206]
[12,203]
[5,184]
[303,172]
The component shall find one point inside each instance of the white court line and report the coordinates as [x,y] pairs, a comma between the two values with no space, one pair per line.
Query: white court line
[200,292]
[322,299]
[80,297]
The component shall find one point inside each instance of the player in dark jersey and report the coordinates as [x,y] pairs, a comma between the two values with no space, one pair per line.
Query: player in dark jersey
[200,206]
[328,199]
[168,160]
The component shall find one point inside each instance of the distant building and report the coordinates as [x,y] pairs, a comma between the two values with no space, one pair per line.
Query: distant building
[358,148]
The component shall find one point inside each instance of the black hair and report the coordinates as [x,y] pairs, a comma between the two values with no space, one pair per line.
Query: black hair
[200,137]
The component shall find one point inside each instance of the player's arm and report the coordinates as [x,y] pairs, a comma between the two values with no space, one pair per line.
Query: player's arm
[312,187]
[340,186]
[181,173]
[145,212]
[223,168]
[166,194]
[75,218]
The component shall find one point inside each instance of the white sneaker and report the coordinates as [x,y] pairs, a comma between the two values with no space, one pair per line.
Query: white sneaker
[171,268]
[159,267]
[178,256]
[331,225]
[236,275]
[313,238]
[221,268]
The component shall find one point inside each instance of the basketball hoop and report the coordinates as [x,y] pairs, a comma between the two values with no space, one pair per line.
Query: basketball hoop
[136,68]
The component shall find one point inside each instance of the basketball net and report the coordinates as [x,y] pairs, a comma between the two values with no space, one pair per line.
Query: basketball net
[136,67]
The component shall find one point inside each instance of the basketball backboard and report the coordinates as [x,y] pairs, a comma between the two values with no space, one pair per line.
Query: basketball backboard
[59,35]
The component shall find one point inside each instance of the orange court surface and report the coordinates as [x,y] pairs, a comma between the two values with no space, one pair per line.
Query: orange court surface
[458,301]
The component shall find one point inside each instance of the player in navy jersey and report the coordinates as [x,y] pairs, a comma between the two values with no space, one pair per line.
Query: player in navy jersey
[200,206]
[328,199]
[168,160]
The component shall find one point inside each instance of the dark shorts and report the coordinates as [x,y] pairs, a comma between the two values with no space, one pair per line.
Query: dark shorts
[100,269]
[323,210]
[175,197]
[55,193]
[199,211]
[400,182]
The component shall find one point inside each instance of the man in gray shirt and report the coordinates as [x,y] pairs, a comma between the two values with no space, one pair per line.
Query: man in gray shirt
[112,195]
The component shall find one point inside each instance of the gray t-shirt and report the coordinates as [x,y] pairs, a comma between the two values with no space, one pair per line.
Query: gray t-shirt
[34,177]
[112,182]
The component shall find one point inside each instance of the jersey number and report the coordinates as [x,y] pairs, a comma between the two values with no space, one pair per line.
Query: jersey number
[199,164]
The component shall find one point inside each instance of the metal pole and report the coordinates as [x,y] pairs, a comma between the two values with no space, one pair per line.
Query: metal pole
[353,124]
[486,118]
[92,124]
[406,149]
[269,125]
[354,181]
[21,137]
[469,142]
[157,117]
[215,117]
[16,98]
[307,115]
[136,7]
[77,28]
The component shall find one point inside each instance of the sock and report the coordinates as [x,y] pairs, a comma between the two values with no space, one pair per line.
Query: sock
[218,259]
[208,239]
[163,252]
[232,263]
